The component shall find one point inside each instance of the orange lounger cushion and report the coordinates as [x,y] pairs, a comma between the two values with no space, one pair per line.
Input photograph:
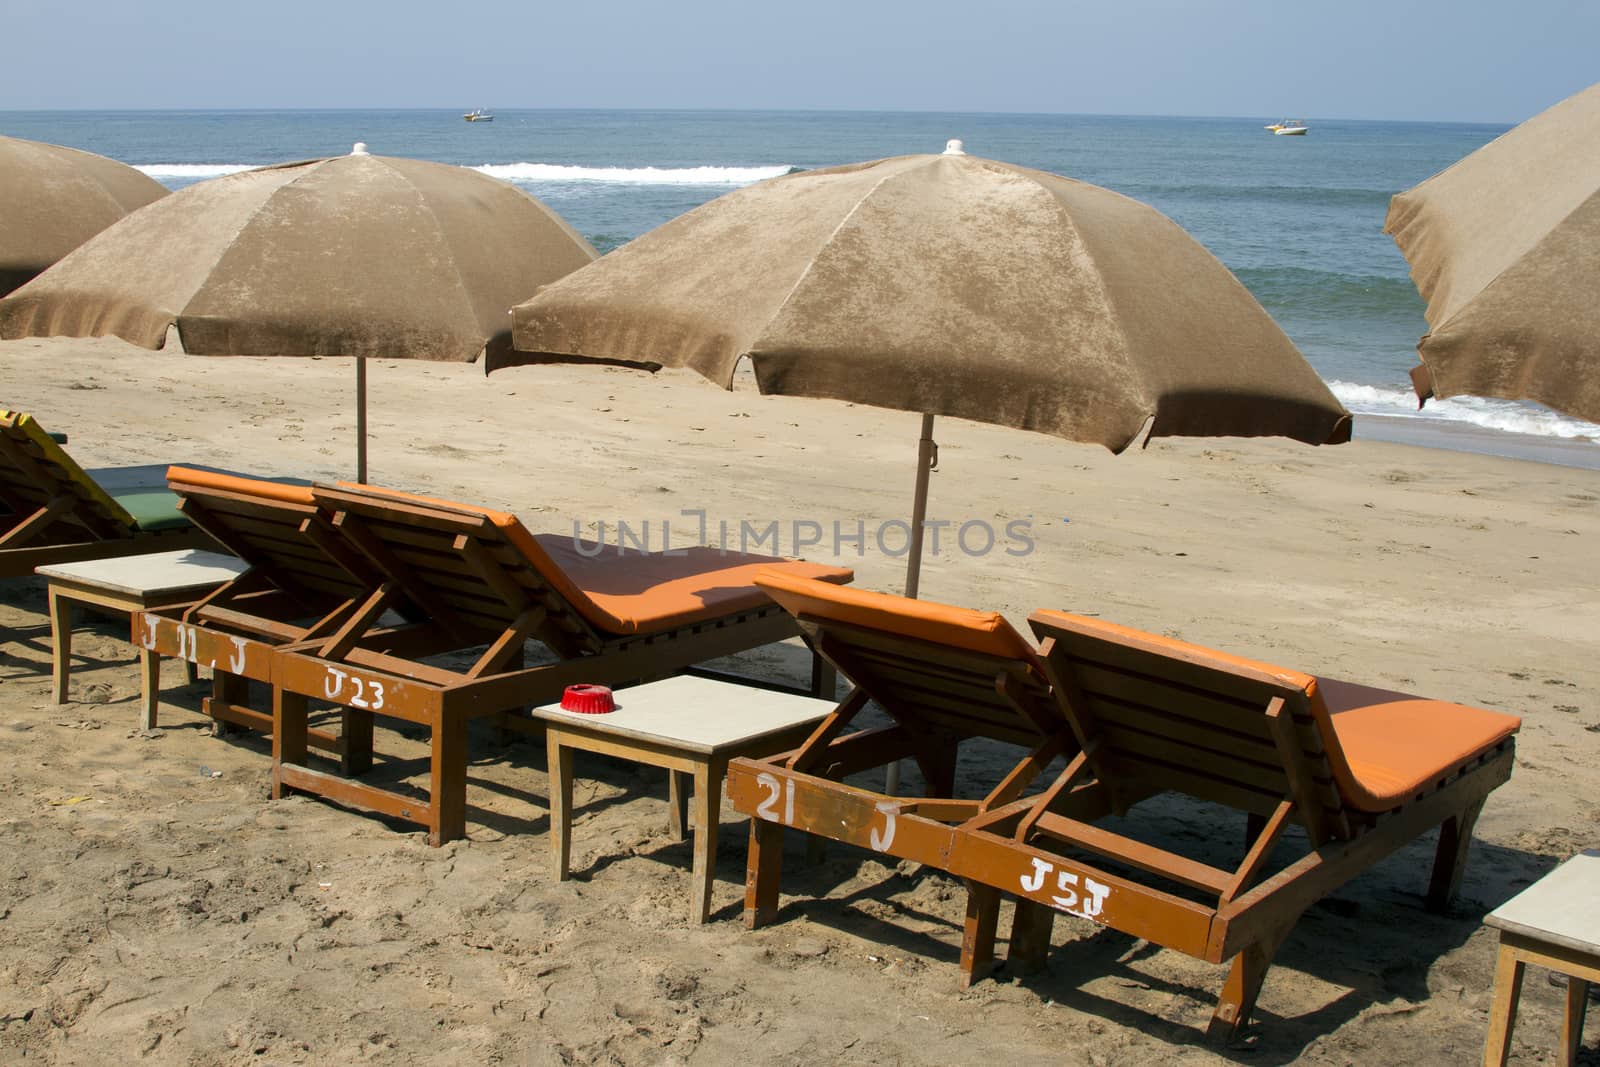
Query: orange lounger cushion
[638,592]
[631,592]
[1168,646]
[1394,745]
[232,483]
[985,632]
[1383,747]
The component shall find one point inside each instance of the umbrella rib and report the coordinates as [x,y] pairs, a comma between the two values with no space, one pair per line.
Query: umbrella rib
[811,263]
[444,240]
[244,224]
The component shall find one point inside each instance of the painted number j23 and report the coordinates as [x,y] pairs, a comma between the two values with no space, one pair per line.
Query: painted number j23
[364,693]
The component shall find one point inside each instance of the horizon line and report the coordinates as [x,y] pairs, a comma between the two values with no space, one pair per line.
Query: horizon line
[741,111]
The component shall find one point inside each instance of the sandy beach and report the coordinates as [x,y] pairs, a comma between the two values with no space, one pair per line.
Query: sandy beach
[155,903]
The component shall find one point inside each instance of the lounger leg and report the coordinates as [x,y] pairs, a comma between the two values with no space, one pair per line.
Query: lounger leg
[1239,992]
[939,769]
[762,873]
[1450,860]
[227,691]
[1503,1013]
[448,782]
[149,688]
[355,742]
[1031,925]
[1572,1020]
[824,679]
[289,736]
[977,933]
[1253,826]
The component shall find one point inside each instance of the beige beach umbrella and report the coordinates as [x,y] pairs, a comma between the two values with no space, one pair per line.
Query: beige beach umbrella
[1505,247]
[358,255]
[52,199]
[945,285]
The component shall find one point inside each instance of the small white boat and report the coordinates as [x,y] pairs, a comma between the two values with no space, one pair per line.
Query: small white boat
[1289,128]
[477,114]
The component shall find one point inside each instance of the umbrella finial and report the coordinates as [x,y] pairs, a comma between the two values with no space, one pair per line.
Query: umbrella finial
[952,147]
[359,148]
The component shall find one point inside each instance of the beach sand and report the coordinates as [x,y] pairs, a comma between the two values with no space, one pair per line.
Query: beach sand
[153,907]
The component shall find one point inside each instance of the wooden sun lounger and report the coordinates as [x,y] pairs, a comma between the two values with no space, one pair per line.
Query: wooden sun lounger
[943,675]
[1363,771]
[304,582]
[483,580]
[53,511]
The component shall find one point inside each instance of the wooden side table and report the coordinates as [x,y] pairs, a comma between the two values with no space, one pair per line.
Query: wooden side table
[689,725]
[129,584]
[1554,923]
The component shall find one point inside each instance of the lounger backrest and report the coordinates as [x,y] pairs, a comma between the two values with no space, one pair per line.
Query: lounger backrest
[279,530]
[35,470]
[948,668]
[1173,716]
[468,567]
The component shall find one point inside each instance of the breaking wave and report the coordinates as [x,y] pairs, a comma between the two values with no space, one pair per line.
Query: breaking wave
[555,172]
[1509,416]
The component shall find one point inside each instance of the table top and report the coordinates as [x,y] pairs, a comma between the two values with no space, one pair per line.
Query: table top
[701,715]
[158,572]
[1562,908]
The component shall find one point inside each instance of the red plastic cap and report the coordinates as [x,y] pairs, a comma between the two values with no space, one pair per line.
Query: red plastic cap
[588,699]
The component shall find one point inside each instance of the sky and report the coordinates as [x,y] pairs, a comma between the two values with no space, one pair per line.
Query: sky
[1495,61]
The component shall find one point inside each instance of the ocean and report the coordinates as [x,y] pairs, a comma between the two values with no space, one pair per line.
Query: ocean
[1298,219]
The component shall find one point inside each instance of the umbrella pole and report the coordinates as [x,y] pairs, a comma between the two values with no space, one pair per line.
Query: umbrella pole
[927,458]
[361,419]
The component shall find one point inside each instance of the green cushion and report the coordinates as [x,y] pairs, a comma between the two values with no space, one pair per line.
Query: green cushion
[153,508]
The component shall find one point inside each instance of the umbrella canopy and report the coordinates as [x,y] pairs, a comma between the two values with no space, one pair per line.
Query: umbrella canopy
[1505,248]
[358,255]
[56,198]
[948,285]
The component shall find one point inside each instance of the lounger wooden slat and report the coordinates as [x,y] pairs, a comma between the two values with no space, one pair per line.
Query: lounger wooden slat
[302,583]
[1473,756]
[487,585]
[53,511]
[1364,771]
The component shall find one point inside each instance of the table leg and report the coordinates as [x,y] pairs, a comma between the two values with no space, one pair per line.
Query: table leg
[149,687]
[1572,1021]
[678,788]
[707,817]
[1503,1014]
[558,760]
[60,640]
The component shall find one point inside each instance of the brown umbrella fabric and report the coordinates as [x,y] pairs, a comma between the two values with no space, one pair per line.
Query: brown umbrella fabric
[52,199]
[949,285]
[1505,248]
[358,255]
